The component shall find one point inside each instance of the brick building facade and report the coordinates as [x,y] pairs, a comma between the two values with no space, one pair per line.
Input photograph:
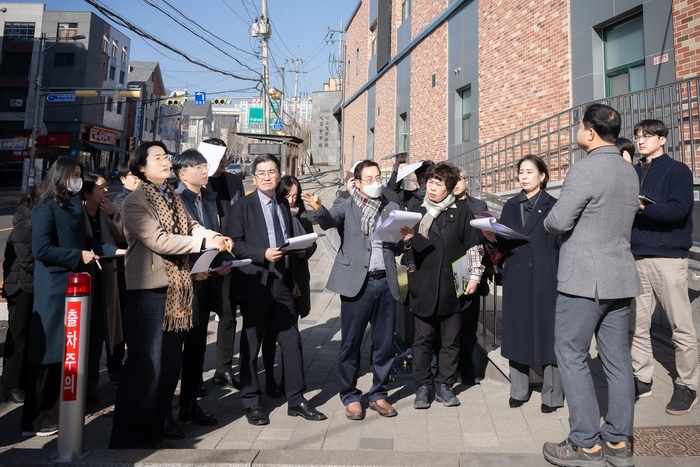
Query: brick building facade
[440,79]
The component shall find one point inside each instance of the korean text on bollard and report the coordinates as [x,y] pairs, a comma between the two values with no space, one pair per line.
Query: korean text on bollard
[71,416]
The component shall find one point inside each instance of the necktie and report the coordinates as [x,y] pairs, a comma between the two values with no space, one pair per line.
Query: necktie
[279,236]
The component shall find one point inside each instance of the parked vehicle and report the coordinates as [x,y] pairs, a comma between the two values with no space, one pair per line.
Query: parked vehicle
[237,169]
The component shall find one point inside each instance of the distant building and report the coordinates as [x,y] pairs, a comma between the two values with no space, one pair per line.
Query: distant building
[197,122]
[145,120]
[324,144]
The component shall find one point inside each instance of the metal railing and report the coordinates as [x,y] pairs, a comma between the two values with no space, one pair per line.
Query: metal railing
[491,166]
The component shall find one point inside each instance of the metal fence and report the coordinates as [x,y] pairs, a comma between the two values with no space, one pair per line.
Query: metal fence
[491,166]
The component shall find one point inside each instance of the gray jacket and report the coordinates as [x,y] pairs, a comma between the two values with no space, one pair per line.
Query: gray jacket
[352,260]
[594,217]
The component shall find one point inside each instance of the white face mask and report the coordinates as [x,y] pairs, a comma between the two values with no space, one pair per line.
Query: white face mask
[75,184]
[373,191]
[294,210]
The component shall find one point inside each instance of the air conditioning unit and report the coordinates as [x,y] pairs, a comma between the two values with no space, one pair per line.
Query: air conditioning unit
[16,102]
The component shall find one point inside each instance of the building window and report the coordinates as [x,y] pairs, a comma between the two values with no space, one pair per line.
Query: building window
[15,64]
[432,80]
[112,72]
[122,76]
[624,57]
[124,54]
[352,150]
[405,10]
[19,31]
[373,29]
[115,47]
[61,59]
[357,61]
[370,144]
[465,96]
[348,74]
[119,107]
[403,136]
[108,107]
[66,31]
[105,44]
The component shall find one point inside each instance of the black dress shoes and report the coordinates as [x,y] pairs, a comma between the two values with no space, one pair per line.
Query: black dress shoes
[273,390]
[305,410]
[198,416]
[171,430]
[13,395]
[202,391]
[256,416]
[226,378]
[515,403]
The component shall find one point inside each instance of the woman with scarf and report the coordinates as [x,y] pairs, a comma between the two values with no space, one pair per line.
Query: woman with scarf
[444,237]
[529,270]
[161,236]
[60,247]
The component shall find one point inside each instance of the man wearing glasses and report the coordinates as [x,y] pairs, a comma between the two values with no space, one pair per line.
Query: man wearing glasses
[261,223]
[661,237]
[364,275]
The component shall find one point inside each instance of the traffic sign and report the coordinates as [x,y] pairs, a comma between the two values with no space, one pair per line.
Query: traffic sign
[277,124]
[61,98]
[200,98]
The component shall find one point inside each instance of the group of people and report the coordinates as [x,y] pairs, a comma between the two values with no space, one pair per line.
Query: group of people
[559,288]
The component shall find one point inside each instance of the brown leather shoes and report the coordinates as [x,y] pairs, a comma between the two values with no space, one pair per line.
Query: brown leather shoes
[383,408]
[354,411]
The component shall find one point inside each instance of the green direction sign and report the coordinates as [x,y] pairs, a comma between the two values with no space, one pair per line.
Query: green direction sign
[256,118]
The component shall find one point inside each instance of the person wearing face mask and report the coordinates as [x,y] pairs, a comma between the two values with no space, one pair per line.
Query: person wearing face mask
[529,270]
[364,275]
[61,247]
[289,188]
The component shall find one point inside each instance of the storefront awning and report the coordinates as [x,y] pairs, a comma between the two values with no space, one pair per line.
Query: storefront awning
[105,147]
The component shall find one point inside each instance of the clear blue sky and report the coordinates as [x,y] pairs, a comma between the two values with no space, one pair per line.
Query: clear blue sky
[295,23]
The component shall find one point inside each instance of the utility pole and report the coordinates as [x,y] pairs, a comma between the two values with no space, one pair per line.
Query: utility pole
[265,32]
[282,93]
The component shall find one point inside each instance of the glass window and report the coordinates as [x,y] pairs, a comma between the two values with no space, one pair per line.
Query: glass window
[66,31]
[61,59]
[465,97]
[112,72]
[124,54]
[374,39]
[405,9]
[19,31]
[370,144]
[110,102]
[15,64]
[105,44]
[403,137]
[122,76]
[115,47]
[624,56]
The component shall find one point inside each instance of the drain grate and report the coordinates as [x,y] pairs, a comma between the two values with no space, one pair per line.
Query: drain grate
[668,441]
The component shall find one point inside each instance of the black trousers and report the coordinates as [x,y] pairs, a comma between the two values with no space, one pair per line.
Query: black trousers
[276,309]
[448,327]
[226,330]
[207,297]
[470,325]
[14,360]
[150,373]
[40,408]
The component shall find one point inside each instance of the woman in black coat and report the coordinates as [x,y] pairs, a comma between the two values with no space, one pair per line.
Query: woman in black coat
[529,270]
[444,236]
[61,247]
[18,289]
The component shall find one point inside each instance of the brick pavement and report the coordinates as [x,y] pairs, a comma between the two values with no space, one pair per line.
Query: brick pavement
[482,431]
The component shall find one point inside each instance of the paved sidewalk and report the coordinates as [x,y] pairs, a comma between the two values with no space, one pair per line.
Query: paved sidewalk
[483,431]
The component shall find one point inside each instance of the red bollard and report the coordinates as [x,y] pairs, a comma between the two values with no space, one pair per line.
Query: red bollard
[71,415]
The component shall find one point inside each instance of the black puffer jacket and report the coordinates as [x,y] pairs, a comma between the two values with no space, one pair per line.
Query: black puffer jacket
[18,267]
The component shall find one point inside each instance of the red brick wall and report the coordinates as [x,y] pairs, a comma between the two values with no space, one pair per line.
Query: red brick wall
[686,36]
[355,124]
[385,116]
[428,115]
[422,13]
[524,64]
[358,35]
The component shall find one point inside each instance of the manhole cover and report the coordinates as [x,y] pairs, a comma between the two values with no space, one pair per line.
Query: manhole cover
[669,441]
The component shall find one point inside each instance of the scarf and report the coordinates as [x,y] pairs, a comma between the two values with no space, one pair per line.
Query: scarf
[173,219]
[432,210]
[370,209]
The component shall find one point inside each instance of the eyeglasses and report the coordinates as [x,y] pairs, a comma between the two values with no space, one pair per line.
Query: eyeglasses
[203,168]
[270,173]
[644,137]
[369,181]
[160,158]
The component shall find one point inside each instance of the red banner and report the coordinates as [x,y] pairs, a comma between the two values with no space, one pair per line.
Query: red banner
[72,348]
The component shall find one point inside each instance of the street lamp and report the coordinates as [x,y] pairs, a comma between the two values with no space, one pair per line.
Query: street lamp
[38,103]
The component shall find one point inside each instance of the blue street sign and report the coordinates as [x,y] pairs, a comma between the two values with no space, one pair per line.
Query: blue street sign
[61,98]
[277,124]
[200,98]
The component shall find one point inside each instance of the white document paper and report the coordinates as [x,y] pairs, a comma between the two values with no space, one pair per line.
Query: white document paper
[234,263]
[460,269]
[213,154]
[300,242]
[407,169]
[490,224]
[204,260]
[390,229]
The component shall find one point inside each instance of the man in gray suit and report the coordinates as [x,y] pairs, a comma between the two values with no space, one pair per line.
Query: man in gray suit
[597,281]
[364,274]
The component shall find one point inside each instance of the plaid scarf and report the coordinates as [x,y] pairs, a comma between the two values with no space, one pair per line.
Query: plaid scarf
[173,219]
[370,209]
